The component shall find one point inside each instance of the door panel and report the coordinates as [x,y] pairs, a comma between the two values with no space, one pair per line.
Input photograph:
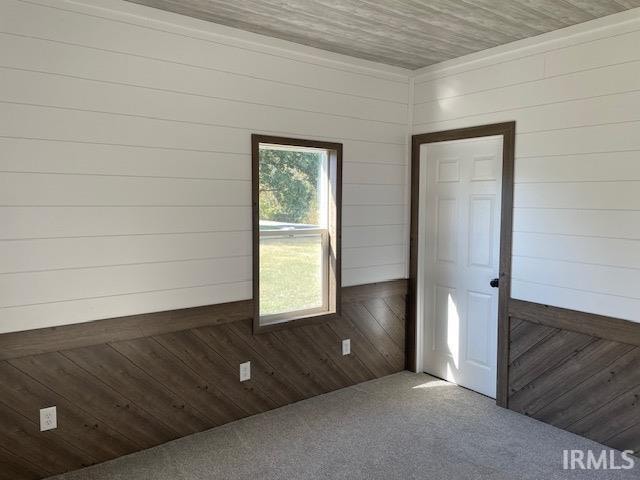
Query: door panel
[479,328]
[447,230]
[448,170]
[461,245]
[446,326]
[481,228]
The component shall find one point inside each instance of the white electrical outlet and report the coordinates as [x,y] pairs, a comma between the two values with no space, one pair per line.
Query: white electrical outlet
[245,371]
[346,346]
[48,419]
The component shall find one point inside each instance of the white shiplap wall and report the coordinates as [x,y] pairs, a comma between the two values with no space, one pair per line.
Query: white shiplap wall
[575,95]
[125,163]
[125,157]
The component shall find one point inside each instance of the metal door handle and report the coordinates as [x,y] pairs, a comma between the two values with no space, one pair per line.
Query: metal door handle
[495,283]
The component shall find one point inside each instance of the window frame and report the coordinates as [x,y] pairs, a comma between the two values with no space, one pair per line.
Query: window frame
[333,234]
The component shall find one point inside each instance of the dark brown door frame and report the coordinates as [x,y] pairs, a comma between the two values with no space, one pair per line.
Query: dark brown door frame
[508,132]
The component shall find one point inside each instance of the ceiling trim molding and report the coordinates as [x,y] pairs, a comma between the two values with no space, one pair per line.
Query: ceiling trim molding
[620,23]
[173,23]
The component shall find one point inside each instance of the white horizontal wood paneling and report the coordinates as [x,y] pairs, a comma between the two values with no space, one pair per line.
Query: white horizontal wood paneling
[378,273]
[373,195]
[71,93]
[45,156]
[614,108]
[47,222]
[29,155]
[68,189]
[624,224]
[621,166]
[370,236]
[614,252]
[50,123]
[60,285]
[574,97]
[489,78]
[77,311]
[365,215]
[367,152]
[80,252]
[618,195]
[592,139]
[600,304]
[80,62]
[591,83]
[111,31]
[373,173]
[125,168]
[616,48]
[603,279]
[369,256]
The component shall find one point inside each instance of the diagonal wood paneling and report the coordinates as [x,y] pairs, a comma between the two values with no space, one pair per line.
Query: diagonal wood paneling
[627,439]
[580,382]
[284,359]
[47,450]
[14,467]
[117,371]
[548,353]
[216,370]
[91,394]
[133,389]
[27,396]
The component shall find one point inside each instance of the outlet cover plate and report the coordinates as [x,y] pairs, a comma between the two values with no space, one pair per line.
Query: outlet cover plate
[346,346]
[245,371]
[48,418]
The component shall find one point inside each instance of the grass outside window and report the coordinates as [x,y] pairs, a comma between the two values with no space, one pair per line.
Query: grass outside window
[291,274]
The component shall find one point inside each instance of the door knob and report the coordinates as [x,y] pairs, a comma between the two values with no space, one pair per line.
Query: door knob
[495,283]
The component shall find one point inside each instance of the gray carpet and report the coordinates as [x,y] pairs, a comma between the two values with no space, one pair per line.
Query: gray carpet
[405,426]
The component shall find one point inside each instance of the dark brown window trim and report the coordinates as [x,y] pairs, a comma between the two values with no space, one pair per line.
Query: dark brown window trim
[508,132]
[335,231]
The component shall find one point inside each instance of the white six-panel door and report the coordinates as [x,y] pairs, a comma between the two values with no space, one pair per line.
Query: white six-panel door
[460,245]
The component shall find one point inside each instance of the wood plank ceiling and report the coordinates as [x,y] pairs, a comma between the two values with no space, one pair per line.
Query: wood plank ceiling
[405,33]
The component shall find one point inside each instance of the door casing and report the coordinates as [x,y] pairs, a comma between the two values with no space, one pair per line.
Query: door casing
[508,132]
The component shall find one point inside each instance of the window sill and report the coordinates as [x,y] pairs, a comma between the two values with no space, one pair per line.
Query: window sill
[294,322]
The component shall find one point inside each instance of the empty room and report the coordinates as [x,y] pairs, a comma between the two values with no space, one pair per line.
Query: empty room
[319,239]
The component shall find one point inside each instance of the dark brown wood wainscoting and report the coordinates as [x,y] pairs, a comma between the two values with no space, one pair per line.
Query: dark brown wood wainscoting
[123,385]
[577,371]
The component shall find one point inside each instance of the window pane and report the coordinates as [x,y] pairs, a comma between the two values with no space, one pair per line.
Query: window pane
[292,188]
[291,274]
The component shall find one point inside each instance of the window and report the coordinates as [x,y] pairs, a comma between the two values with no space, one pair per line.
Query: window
[296,224]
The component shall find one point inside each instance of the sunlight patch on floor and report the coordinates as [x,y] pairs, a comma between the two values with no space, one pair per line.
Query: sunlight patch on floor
[434,383]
